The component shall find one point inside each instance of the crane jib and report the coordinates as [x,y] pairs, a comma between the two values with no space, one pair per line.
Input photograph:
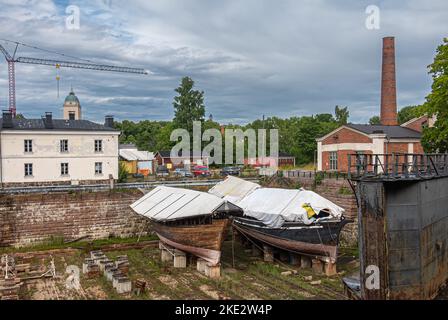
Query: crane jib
[80,65]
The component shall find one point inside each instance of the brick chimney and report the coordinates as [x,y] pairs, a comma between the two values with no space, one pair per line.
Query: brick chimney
[388,84]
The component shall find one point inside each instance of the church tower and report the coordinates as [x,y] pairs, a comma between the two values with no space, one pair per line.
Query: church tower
[72,107]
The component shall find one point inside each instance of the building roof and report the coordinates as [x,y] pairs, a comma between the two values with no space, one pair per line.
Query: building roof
[165,204]
[72,97]
[164,154]
[136,155]
[395,132]
[284,155]
[127,146]
[58,124]
[233,189]
[167,154]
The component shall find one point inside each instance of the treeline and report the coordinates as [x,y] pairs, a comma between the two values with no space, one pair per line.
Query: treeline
[297,135]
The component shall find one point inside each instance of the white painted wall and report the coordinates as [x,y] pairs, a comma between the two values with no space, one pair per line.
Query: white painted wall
[47,158]
[319,155]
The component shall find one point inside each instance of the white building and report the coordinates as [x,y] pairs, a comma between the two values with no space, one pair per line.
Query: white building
[52,151]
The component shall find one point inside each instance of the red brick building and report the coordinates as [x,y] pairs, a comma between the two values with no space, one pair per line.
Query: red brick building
[388,137]
[284,160]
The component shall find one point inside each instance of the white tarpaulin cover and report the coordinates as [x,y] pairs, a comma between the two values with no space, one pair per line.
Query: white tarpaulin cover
[275,206]
[233,189]
[167,204]
[134,154]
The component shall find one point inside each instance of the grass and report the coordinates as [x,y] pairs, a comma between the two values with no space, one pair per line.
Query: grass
[55,243]
[345,191]
[251,278]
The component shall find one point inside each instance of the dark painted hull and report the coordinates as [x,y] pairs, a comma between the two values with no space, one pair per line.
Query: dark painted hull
[320,239]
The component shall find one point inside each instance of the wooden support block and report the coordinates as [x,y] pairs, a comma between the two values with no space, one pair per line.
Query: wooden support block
[139,286]
[123,285]
[200,265]
[161,245]
[103,263]
[268,253]
[213,271]
[284,256]
[317,266]
[110,272]
[305,262]
[180,259]
[294,259]
[330,269]
[166,256]
[256,252]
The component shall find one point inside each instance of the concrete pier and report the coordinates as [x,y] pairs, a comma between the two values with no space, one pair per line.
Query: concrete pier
[180,259]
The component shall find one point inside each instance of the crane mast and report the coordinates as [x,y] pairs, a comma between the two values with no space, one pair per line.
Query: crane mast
[11,60]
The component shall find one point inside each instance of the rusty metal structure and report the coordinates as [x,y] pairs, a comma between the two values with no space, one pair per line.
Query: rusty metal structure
[403,223]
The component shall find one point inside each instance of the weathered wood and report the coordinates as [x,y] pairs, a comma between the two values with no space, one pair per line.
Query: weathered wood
[166,255]
[294,259]
[202,240]
[200,265]
[180,259]
[268,253]
[330,269]
[305,262]
[317,266]
[213,271]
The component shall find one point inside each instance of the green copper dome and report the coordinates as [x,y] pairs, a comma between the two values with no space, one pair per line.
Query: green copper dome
[72,98]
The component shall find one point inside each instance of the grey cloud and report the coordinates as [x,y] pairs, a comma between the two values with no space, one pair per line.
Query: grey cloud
[278,58]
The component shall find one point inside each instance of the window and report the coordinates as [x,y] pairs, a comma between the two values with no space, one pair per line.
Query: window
[28,146]
[98,168]
[28,169]
[333,160]
[64,169]
[98,145]
[71,115]
[360,158]
[64,145]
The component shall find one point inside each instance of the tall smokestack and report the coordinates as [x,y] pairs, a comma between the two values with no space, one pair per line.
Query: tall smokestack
[388,84]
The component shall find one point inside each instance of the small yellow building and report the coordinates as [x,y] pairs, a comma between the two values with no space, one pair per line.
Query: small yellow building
[136,161]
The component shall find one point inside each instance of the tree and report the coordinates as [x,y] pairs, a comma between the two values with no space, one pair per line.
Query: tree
[375,120]
[341,115]
[122,173]
[188,105]
[435,139]
[408,113]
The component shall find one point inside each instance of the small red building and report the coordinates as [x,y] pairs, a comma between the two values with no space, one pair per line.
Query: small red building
[283,160]
[163,158]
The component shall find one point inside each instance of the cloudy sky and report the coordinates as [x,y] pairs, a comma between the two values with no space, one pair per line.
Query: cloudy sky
[274,57]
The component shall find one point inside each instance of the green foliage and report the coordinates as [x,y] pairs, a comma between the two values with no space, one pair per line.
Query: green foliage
[375,120]
[341,115]
[318,178]
[122,173]
[435,139]
[297,135]
[188,105]
[408,113]
[345,191]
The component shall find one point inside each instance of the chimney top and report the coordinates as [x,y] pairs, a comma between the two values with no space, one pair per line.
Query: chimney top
[48,120]
[388,84]
[7,119]
[109,121]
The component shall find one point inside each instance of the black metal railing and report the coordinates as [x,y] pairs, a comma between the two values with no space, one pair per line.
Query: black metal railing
[397,165]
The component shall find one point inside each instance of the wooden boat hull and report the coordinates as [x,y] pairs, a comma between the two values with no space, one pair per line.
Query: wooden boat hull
[204,240]
[320,239]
